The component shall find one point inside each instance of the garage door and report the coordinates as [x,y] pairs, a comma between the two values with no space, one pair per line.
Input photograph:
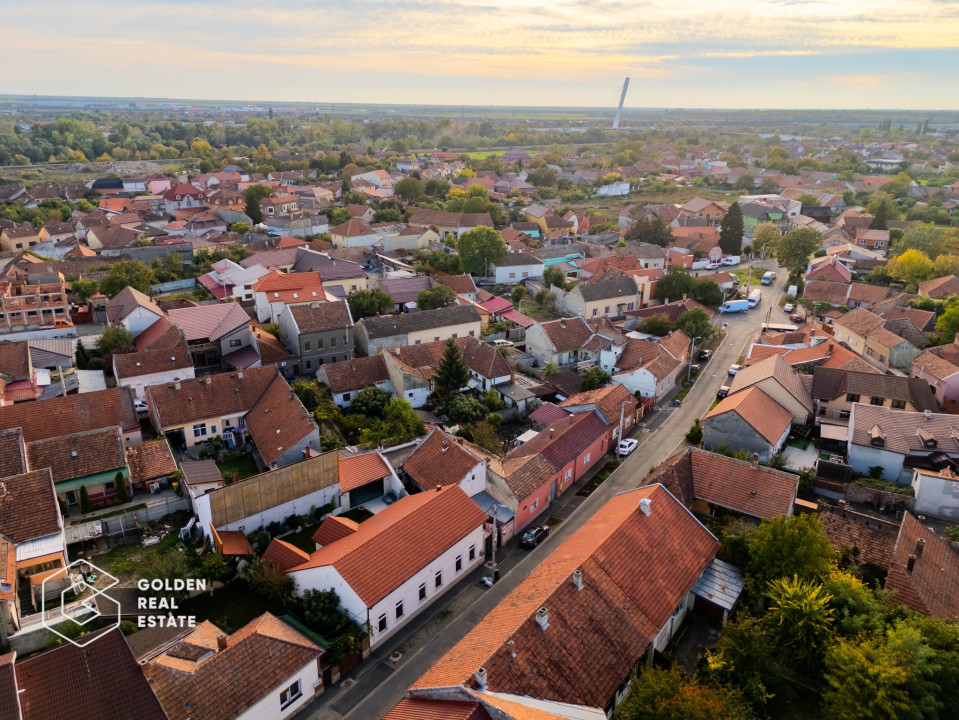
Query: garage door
[365,493]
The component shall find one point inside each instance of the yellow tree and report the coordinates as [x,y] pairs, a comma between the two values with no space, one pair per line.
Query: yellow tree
[261,155]
[913,266]
[946,265]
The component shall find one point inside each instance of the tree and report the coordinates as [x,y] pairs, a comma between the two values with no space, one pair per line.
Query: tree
[945,265]
[731,230]
[519,292]
[550,368]
[855,607]
[707,291]
[478,248]
[114,339]
[251,201]
[794,248]
[593,378]
[746,181]
[676,283]
[799,619]
[808,200]
[654,231]
[695,323]
[123,492]
[694,435]
[744,657]
[658,324]
[493,401]
[948,325]
[669,695]
[132,273]
[879,275]
[83,289]
[437,297]
[410,189]
[86,504]
[370,401]
[765,238]
[787,546]
[240,228]
[401,423]
[369,303]
[82,355]
[324,615]
[883,208]
[464,408]
[215,568]
[913,266]
[269,580]
[451,373]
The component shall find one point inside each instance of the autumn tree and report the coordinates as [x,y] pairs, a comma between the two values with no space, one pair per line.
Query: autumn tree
[478,248]
[731,230]
[670,695]
[946,265]
[913,266]
[799,619]
[948,325]
[765,238]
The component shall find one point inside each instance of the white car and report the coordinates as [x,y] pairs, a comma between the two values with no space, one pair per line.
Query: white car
[733,369]
[788,308]
[502,343]
[140,405]
[626,446]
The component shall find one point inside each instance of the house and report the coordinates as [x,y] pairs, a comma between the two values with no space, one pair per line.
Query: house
[834,391]
[899,441]
[442,460]
[749,420]
[18,238]
[183,197]
[136,370]
[216,335]
[266,669]
[717,486]
[610,297]
[462,285]
[516,267]
[711,212]
[18,378]
[353,233]
[318,332]
[133,310]
[651,369]
[608,597]
[374,334]
[28,306]
[615,404]
[363,213]
[401,560]
[924,571]
[275,290]
[939,288]
[939,367]
[363,478]
[112,237]
[405,290]
[345,379]
[68,414]
[150,461]
[449,223]
[279,205]
[865,333]
[94,459]
[558,341]
[411,369]
[828,269]
[227,279]
[200,477]
[410,239]
[101,666]
[779,381]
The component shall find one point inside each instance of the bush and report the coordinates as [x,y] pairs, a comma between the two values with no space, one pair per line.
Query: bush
[465,409]
[494,419]
[86,504]
[694,435]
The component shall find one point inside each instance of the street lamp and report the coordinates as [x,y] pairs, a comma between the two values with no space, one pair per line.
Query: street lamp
[689,366]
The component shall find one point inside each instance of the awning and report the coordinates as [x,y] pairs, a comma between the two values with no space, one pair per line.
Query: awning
[488,503]
[834,432]
[30,562]
[720,583]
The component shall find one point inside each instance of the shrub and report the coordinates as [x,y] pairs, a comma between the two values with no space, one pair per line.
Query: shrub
[694,435]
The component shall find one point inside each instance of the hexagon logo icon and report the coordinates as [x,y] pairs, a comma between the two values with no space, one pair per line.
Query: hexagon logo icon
[65,585]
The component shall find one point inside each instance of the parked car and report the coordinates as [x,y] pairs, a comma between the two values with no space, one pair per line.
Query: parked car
[694,368]
[626,446]
[140,405]
[788,308]
[532,537]
[705,355]
[797,318]
[723,392]
[733,369]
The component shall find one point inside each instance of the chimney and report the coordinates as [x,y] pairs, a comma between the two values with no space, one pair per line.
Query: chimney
[551,431]
[920,544]
[755,462]
[176,385]
[928,414]
[684,297]
[208,379]
[542,618]
[220,642]
[236,475]
[562,324]
[644,506]
[843,504]
[911,564]
[578,579]
[480,677]
[438,487]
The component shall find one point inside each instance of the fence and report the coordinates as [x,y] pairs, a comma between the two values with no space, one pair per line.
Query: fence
[186,284]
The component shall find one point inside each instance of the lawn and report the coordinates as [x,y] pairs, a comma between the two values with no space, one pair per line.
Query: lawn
[480,154]
[230,607]
[244,464]
[134,560]
[303,539]
[357,515]
[742,273]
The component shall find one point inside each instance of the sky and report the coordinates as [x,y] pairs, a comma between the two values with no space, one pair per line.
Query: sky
[877,54]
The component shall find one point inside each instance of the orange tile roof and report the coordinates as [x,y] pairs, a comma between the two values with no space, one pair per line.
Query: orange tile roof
[28,508]
[233,542]
[933,585]
[758,410]
[398,542]
[439,460]
[359,470]
[334,528]
[608,400]
[150,460]
[278,420]
[635,570]
[284,554]
[413,708]
[291,287]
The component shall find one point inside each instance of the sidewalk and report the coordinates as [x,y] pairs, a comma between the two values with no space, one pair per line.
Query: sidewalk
[340,700]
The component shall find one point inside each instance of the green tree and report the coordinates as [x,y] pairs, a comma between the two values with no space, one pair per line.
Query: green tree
[240,228]
[270,581]
[948,325]
[114,339]
[324,615]
[478,248]
[86,504]
[945,265]
[658,324]
[913,266]
[593,378]
[401,423]
[215,568]
[879,275]
[694,435]
[437,297]
[123,492]
[654,231]
[370,401]
[676,283]
[368,303]
[856,608]
[794,248]
[251,201]
[493,401]
[83,289]
[82,355]
[765,238]
[465,408]
[554,276]
[883,208]
[695,323]
[519,292]
[124,273]
[746,181]
[706,291]
[808,200]
[745,657]
[787,546]
[799,619]
[731,230]
[451,373]
[550,368]
[410,189]
[669,695]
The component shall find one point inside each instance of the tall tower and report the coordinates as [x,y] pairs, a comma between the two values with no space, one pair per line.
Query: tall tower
[619,110]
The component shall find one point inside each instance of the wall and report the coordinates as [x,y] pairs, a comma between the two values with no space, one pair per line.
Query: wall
[241,334]
[269,707]
[732,431]
[531,507]
[137,384]
[295,453]
[517,273]
[139,320]
[936,496]
[863,457]
[414,390]
[944,389]
[444,333]
[326,347]
[641,380]
[186,284]
[785,399]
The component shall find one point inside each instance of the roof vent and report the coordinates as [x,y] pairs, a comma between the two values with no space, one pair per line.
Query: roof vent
[438,488]
[542,618]
[644,505]
[920,545]
[480,677]
[928,414]
[911,563]
[578,579]
[445,445]
[172,358]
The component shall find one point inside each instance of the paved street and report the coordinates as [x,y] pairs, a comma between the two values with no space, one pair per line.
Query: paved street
[377,684]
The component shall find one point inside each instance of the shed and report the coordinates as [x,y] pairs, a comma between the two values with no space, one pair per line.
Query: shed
[717,590]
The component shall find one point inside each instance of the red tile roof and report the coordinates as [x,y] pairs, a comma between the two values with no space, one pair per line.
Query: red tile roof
[563,440]
[427,709]
[611,401]
[291,287]
[233,542]
[356,374]
[79,454]
[29,508]
[359,470]
[13,452]
[932,587]
[636,568]
[156,360]
[128,300]
[66,414]
[284,555]
[439,460]
[334,528]
[548,413]
[150,460]
[398,542]
[278,420]
[212,396]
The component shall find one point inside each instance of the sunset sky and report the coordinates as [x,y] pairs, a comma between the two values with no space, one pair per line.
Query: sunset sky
[696,53]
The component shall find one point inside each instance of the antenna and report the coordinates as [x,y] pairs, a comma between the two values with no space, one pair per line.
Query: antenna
[619,110]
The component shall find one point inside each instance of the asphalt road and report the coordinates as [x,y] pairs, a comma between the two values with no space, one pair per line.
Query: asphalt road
[669,426]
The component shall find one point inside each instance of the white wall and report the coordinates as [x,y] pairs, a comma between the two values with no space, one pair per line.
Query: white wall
[936,496]
[139,320]
[137,384]
[269,707]
[518,273]
[863,457]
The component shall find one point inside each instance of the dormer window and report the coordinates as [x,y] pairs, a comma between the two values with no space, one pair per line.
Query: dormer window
[876,437]
[927,438]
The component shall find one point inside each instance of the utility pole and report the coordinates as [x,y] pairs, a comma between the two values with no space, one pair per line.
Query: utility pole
[622,411]
[495,539]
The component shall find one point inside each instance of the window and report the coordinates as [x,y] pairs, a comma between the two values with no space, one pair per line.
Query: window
[399,609]
[898,404]
[569,473]
[512,275]
[472,554]
[332,342]
[346,396]
[534,506]
[822,410]
[306,345]
[843,414]
[309,365]
[213,429]
[586,460]
[595,312]
[877,401]
[109,486]
[319,344]
[227,423]
[422,591]
[381,625]
[199,430]
[459,563]
[290,695]
[852,397]
[439,578]
[525,274]
[236,343]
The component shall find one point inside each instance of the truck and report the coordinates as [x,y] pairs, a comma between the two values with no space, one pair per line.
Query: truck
[755,297]
[734,306]
[768,278]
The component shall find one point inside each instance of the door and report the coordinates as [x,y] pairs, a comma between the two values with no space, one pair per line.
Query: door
[552,491]
[71,497]
[365,493]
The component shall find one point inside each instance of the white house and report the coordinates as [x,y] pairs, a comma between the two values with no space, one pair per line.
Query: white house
[353,233]
[614,189]
[937,493]
[137,370]
[516,267]
[133,309]
[397,563]
[441,459]
[649,368]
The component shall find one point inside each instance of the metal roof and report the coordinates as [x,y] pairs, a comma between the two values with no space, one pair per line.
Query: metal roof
[720,583]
